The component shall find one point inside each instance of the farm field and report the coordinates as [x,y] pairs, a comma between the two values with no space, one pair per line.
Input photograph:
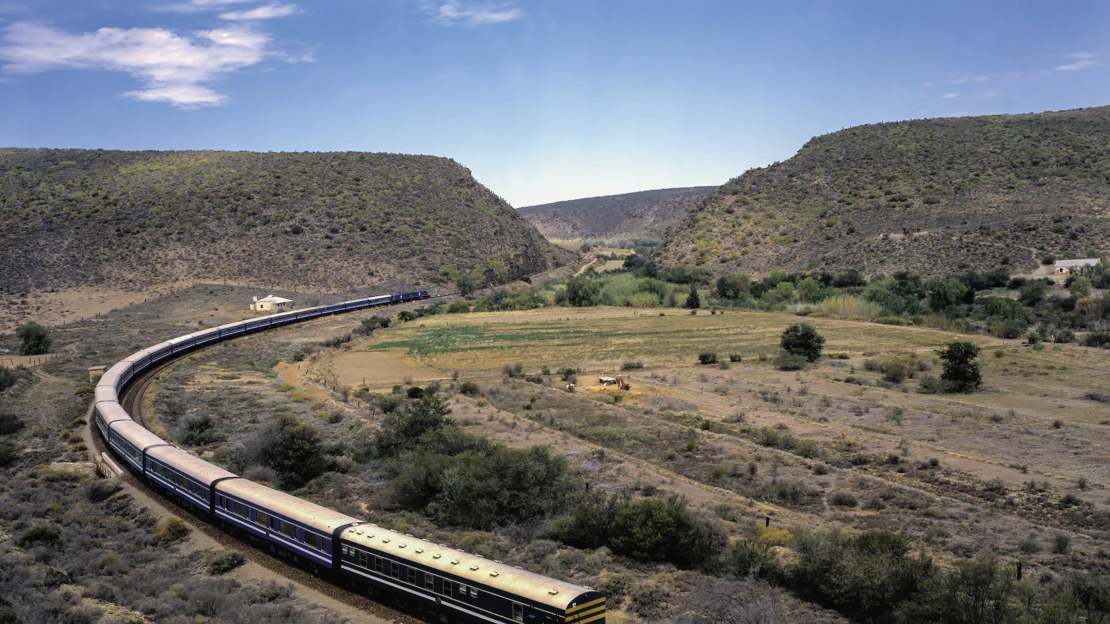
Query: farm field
[1010,471]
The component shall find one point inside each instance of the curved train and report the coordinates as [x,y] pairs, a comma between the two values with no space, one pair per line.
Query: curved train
[453,584]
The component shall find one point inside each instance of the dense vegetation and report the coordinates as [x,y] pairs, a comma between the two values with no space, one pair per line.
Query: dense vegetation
[459,479]
[931,196]
[616,217]
[301,220]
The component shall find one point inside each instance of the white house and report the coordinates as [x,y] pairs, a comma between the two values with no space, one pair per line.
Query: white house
[271,304]
[1067,266]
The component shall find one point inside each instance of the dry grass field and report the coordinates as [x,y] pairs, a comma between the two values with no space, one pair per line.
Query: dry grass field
[1016,470]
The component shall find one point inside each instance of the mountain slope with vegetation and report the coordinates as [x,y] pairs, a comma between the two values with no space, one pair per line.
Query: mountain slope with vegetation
[647,214]
[298,220]
[932,196]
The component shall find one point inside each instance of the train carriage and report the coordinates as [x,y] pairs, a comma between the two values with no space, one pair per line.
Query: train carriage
[304,529]
[189,477]
[445,579]
[131,441]
[107,412]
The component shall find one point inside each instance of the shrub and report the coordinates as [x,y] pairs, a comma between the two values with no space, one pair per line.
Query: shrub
[34,337]
[893,320]
[102,489]
[790,361]
[748,558]
[650,529]
[7,379]
[415,392]
[618,584]
[197,430]
[466,285]
[8,454]
[1060,544]
[9,424]
[842,571]
[172,530]
[225,561]
[802,339]
[707,358]
[734,357]
[630,365]
[1099,339]
[843,499]
[38,535]
[469,388]
[894,372]
[458,307]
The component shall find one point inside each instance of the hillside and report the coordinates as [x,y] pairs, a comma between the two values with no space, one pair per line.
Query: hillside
[297,220]
[933,196]
[631,215]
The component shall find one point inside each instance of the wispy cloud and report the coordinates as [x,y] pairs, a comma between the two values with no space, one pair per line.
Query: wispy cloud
[265,12]
[193,6]
[172,68]
[949,96]
[1082,60]
[459,12]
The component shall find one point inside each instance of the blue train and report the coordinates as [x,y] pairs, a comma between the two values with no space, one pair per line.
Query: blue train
[454,585]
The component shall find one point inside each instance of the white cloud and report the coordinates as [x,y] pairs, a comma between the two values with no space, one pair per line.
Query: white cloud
[949,96]
[1082,61]
[192,6]
[265,12]
[457,11]
[172,68]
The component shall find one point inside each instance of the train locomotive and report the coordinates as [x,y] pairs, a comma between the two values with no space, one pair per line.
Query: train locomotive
[452,584]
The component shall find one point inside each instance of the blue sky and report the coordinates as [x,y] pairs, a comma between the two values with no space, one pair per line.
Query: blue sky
[543,100]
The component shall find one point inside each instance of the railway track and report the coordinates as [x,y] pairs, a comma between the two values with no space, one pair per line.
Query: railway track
[254,550]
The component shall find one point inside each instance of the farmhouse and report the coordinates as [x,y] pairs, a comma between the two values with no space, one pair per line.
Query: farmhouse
[271,304]
[1070,266]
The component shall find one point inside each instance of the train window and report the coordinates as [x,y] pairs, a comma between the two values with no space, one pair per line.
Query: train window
[285,527]
[394,570]
[473,592]
[446,588]
[430,581]
[309,538]
[412,576]
[261,518]
[362,560]
[378,562]
[240,510]
[462,590]
[518,612]
[325,544]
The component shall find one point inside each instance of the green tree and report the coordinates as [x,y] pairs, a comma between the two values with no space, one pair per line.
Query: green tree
[945,293]
[1080,287]
[733,286]
[292,449]
[976,592]
[802,339]
[35,339]
[693,301]
[403,428]
[582,292]
[466,285]
[961,371]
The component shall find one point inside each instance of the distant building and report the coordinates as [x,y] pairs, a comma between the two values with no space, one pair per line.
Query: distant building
[1069,266]
[271,304]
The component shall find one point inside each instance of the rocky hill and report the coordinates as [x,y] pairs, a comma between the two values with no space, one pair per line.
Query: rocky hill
[933,196]
[296,220]
[631,215]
